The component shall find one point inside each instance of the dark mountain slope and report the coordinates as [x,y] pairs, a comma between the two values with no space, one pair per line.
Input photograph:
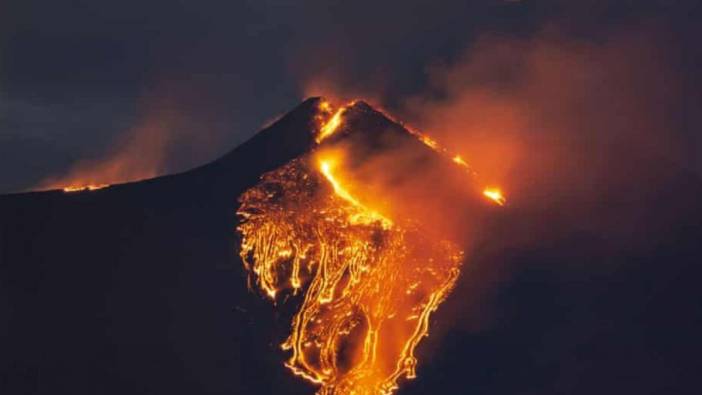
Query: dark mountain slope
[137,288]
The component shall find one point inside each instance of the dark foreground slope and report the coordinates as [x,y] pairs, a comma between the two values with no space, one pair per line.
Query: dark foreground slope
[138,289]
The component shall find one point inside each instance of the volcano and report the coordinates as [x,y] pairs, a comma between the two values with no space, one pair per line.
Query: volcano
[141,287]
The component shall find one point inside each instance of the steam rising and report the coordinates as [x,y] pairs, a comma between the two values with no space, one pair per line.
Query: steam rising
[573,129]
[548,117]
[140,157]
[161,131]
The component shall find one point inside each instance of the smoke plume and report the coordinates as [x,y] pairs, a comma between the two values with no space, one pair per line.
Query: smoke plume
[579,132]
[163,130]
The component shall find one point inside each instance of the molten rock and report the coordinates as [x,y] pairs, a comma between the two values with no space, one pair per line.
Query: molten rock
[368,282]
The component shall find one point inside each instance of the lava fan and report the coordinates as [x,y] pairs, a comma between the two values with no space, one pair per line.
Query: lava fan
[361,230]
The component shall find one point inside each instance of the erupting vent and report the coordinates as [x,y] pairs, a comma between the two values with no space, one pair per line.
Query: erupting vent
[368,283]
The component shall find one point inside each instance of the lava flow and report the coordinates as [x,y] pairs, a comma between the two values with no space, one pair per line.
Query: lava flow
[496,195]
[82,188]
[331,124]
[368,282]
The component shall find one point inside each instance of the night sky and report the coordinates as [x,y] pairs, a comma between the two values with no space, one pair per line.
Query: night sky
[77,78]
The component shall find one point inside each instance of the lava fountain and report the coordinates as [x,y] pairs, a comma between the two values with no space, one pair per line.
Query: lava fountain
[368,283]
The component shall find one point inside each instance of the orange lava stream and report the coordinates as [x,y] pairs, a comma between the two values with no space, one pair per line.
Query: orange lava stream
[365,215]
[331,124]
[368,286]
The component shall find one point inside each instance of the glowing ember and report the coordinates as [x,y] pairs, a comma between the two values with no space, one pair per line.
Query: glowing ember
[428,141]
[80,188]
[459,161]
[325,106]
[495,195]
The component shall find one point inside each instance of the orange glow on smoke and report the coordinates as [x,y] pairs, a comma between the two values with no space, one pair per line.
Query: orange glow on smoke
[494,194]
[138,152]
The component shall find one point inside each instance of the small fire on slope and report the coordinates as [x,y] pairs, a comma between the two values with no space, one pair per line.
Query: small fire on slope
[83,188]
[496,195]
[368,282]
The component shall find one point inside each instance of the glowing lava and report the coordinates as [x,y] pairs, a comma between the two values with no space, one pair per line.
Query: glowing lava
[332,123]
[368,284]
[428,141]
[81,188]
[495,195]
[365,215]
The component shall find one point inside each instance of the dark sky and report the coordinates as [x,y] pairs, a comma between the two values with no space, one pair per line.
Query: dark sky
[77,76]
